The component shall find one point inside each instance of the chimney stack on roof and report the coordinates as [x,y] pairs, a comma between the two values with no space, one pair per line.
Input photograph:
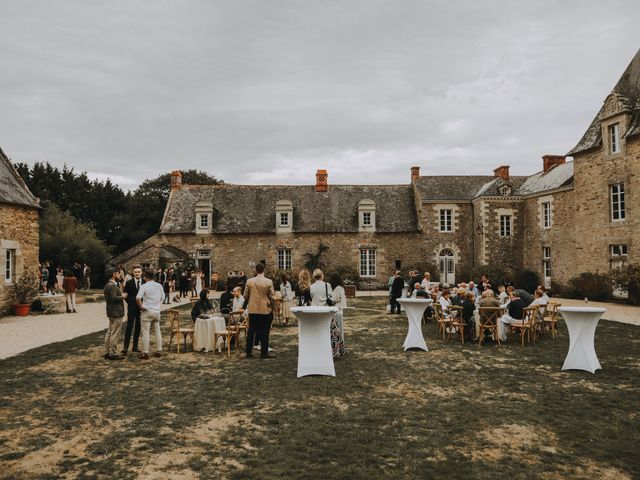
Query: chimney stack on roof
[550,161]
[176,180]
[502,171]
[321,181]
[415,173]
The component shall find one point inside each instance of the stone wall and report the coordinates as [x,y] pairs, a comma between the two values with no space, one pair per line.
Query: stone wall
[594,172]
[19,231]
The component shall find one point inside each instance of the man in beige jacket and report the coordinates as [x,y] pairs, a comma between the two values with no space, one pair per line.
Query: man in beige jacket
[259,299]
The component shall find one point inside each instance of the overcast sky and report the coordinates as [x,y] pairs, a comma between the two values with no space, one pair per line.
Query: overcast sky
[269,91]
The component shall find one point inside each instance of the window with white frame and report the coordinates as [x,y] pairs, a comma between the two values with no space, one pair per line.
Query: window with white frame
[284,259]
[505,225]
[10,266]
[619,255]
[618,210]
[546,214]
[366,218]
[614,138]
[204,220]
[546,261]
[446,220]
[284,219]
[367,262]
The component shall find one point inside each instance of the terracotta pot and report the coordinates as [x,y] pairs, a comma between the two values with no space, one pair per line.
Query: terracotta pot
[22,309]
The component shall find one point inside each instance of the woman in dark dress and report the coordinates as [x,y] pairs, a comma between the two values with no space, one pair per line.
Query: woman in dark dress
[202,306]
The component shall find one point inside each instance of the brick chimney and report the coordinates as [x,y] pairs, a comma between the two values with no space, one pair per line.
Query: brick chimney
[550,161]
[321,181]
[176,180]
[502,171]
[415,173]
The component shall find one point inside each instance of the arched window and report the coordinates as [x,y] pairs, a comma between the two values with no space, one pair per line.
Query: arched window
[447,262]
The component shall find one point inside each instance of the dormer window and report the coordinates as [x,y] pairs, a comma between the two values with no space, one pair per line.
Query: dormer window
[284,216]
[614,138]
[367,215]
[204,217]
[505,191]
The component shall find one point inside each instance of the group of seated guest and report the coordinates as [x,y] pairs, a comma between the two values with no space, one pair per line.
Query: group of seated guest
[518,300]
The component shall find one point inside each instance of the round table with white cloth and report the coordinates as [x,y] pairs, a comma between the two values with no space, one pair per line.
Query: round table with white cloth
[581,323]
[415,307]
[204,331]
[314,345]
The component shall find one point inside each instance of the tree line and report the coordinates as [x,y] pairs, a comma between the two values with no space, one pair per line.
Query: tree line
[91,220]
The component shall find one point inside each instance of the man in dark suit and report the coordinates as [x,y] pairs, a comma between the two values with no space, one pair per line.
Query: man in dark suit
[396,292]
[131,288]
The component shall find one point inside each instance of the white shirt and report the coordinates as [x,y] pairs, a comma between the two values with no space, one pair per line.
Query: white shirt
[286,292]
[151,294]
[444,303]
[238,302]
[319,291]
[339,296]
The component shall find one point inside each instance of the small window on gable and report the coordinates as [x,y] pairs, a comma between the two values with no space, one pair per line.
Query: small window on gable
[367,215]
[505,190]
[284,219]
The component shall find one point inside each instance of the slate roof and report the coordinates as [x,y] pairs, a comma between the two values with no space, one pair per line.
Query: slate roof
[628,92]
[13,190]
[251,208]
[451,187]
[490,189]
[559,176]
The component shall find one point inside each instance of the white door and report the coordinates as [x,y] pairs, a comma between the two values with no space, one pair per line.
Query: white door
[447,267]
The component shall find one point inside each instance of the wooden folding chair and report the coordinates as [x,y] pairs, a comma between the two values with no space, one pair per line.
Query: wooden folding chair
[232,331]
[525,325]
[173,321]
[457,323]
[488,320]
[442,322]
[550,318]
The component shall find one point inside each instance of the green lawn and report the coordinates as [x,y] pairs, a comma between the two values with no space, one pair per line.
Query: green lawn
[453,412]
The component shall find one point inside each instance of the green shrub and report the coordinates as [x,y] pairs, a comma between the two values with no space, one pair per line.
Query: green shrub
[595,286]
[526,280]
[627,279]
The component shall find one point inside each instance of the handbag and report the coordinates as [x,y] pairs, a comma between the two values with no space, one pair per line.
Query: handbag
[330,301]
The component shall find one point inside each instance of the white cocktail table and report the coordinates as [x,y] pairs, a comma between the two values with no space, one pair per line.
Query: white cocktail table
[415,307]
[204,330]
[314,340]
[581,323]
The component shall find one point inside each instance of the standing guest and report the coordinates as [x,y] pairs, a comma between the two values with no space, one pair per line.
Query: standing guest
[77,272]
[485,283]
[473,289]
[287,297]
[390,284]
[226,299]
[171,278]
[259,296]
[320,290]
[396,292]
[131,288]
[184,285]
[515,314]
[70,287]
[166,287]
[86,274]
[304,288]
[202,306]
[416,278]
[149,298]
[192,283]
[114,299]
[426,281]
[59,276]
[45,276]
[51,279]
[198,281]
[337,324]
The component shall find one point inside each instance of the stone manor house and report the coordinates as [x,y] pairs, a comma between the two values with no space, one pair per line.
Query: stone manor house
[572,216]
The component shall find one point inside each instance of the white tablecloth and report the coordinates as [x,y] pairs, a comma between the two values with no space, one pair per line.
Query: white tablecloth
[415,307]
[581,323]
[204,330]
[314,348]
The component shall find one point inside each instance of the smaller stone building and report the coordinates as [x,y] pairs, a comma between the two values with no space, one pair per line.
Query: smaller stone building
[19,232]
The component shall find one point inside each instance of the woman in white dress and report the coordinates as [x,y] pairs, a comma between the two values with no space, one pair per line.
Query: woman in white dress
[287,296]
[198,282]
[337,333]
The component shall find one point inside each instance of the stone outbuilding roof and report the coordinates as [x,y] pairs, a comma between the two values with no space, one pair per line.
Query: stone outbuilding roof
[13,190]
[252,208]
[451,187]
[627,92]
[559,176]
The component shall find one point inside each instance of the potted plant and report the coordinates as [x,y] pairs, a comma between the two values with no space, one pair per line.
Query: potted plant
[25,289]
